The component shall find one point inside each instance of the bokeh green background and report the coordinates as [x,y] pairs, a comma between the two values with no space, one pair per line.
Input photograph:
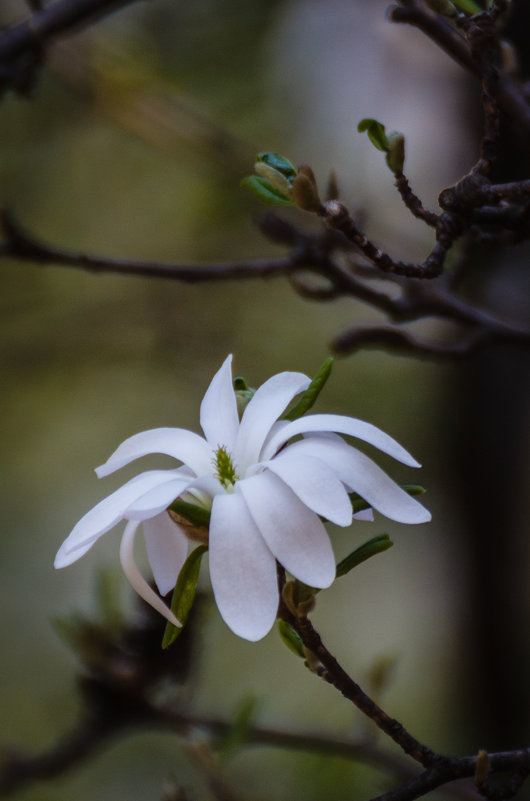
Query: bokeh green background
[133,143]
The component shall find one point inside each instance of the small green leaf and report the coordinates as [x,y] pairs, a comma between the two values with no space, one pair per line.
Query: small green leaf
[469,6]
[312,392]
[184,594]
[375,131]
[413,489]
[291,638]
[279,163]
[238,733]
[194,514]
[265,191]
[378,544]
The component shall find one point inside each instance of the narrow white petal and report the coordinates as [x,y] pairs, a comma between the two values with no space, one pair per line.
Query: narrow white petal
[105,515]
[360,474]
[342,425]
[158,499]
[242,569]
[167,548]
[267,404]
[184,445]
[364,514]
[315,484]
[135,577]
[219,417]
[293,532]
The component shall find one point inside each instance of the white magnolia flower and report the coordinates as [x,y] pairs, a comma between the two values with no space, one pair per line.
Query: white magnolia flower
[266,494]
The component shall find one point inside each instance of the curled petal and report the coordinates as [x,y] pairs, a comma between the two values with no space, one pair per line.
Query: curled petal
[242,569]
[342,425]
[184,445]
[219,417]
[267,404]
[167,548]
[135,577]
[105,515]
[360,474]
[294,533]
[315,484]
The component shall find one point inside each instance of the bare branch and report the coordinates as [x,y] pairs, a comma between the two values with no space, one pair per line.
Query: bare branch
[22,45]
[395,339]
[511,96]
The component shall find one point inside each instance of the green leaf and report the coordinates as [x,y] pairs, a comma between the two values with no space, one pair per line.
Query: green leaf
[375,131]
[184,594]
[279,163]
[265,191]
[194,514]
[291,638]
[312,392]
[378,544]
[243,722]
[469,6]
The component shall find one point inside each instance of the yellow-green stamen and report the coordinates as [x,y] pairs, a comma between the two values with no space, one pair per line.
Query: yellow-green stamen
[226,471]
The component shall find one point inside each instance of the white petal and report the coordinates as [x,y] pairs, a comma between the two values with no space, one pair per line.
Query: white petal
[242,569]
[158,499]
[267,404]
[293,532]
[315,484]
[167,548]
[219,417]
[364,514]
[135,577]
[105,515]
[184,445]
[342,425]
[362,475]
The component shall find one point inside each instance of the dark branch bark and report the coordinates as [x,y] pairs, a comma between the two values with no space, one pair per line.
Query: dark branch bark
[92,733]
[511,97]
[21,46]
[315,255]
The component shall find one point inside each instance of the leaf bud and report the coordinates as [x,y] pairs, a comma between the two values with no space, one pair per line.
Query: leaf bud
[274,177]
[305,191]
[482,767]
[243,394]
[395,157]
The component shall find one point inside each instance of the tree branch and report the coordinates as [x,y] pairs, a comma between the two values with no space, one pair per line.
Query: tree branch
[22,45]
[315,254]
[511,96]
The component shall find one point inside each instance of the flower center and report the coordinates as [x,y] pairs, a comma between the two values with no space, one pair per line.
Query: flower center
[225,468]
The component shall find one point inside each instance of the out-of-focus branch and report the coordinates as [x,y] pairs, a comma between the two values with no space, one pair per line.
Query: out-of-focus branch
[394,339]
[320,266]
[131,712]
[511,96]
[22,46]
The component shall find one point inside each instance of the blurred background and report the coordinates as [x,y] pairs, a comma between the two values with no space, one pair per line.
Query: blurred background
[133,144]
